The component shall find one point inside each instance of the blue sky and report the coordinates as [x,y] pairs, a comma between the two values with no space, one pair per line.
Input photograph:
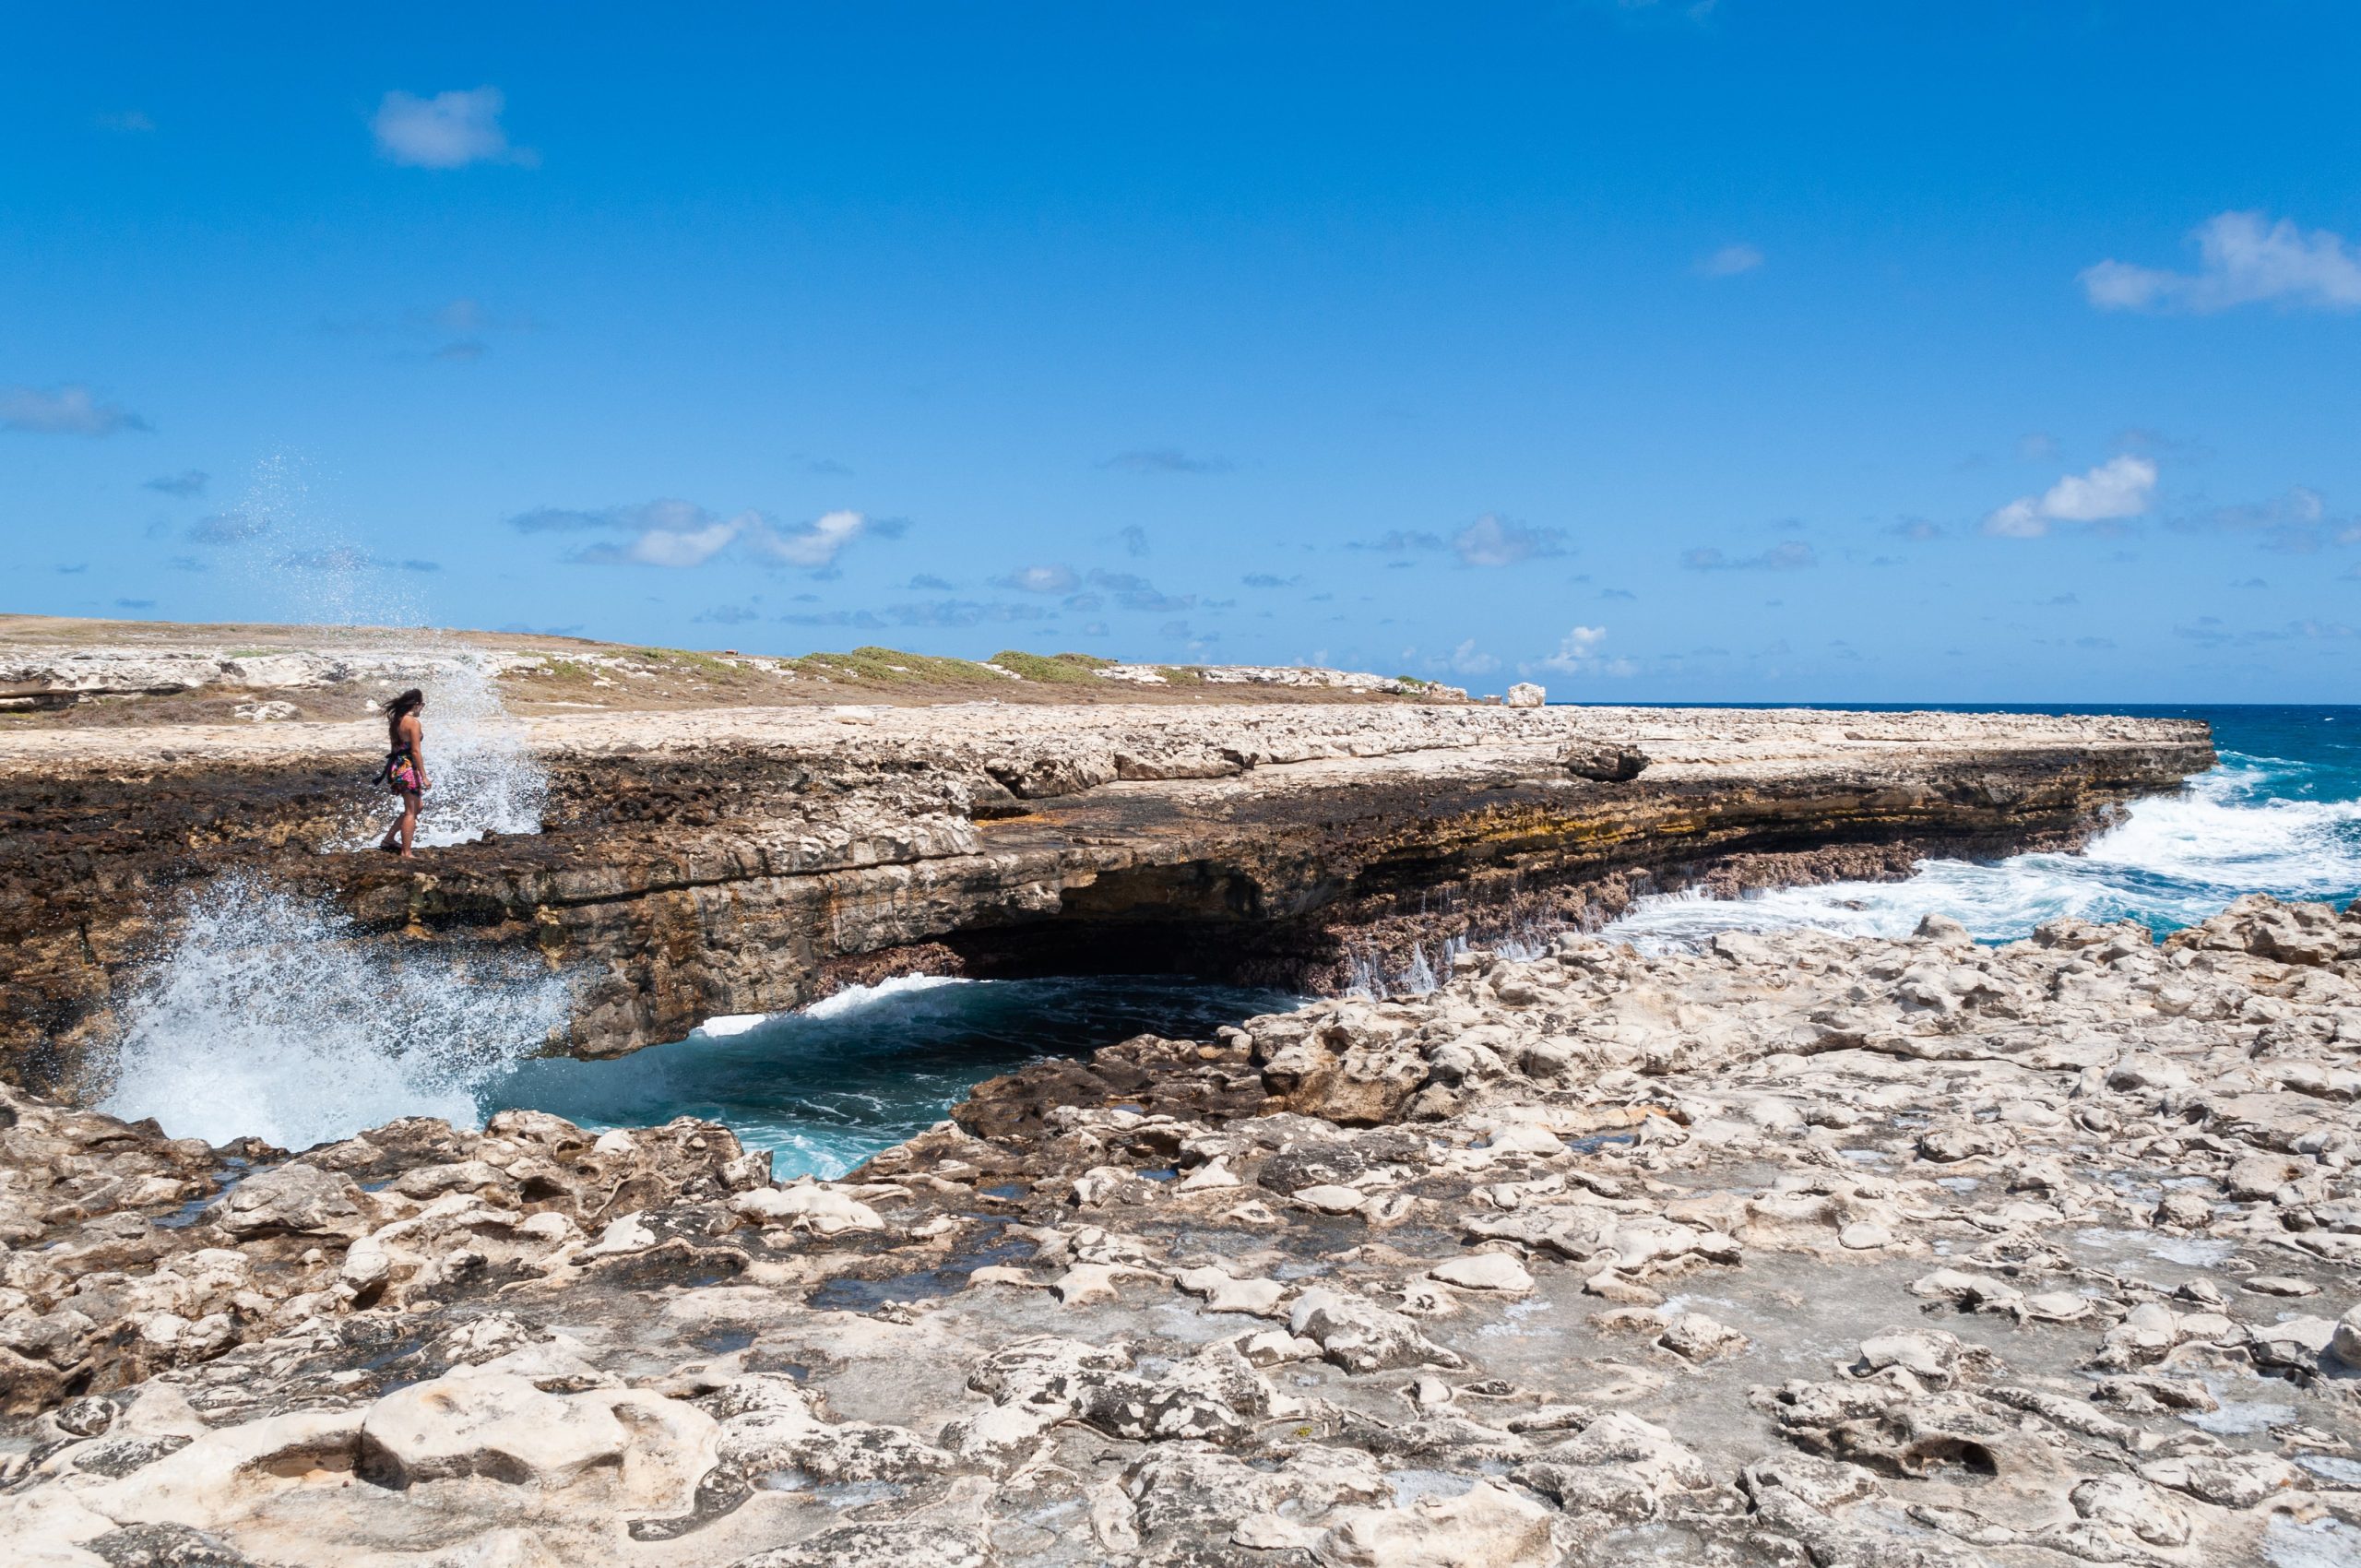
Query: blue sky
[1747,352]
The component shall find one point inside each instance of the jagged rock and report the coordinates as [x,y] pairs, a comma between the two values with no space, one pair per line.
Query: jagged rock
[1361,1336]
[1222,1293]
[1184,1494]
[2230,1481]
[889,1544]
[1694,1336]
[1486,1526]
[293,1199]
[822,1209]
[2347,1343]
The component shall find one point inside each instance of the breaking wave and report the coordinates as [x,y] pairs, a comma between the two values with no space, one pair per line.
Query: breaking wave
[267,1016]
[2178,860]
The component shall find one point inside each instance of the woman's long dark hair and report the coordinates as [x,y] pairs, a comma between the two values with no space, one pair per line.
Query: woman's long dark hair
[401,708]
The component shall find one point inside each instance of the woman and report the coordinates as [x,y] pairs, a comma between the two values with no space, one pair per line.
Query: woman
[405,770]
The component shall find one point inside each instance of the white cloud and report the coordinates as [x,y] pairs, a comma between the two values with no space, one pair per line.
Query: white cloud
[449,130]
[816,544]
[690,547]
[1467,660]
[1729,261]
[2121,487]
[664,533]
[1494,541]
[2241,260]
[1575,649]
[2020,519]
[1578,655]
[680,534]
[65,410]
[1788,555]
[1039,579]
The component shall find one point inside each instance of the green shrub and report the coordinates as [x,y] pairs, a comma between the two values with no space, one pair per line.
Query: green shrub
[1054,667]
[892,667]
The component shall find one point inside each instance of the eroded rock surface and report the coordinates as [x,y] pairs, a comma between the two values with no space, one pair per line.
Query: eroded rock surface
[1794,1250]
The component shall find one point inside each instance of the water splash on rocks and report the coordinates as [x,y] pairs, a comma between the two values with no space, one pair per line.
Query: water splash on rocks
[268,1016]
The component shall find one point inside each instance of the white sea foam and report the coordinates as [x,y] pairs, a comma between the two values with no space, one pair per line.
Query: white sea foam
[267,1016]
[486,779]
[728,1024]
[2178,860]
[859,998]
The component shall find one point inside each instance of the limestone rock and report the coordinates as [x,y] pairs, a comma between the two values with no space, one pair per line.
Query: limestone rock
[1486,1526]
[1361,1336]
[1607,763]
[1484,1271]
[293,1199]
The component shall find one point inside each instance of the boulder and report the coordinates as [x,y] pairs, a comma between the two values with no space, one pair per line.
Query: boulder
[1361,1336]
[1604,763]
[294,1199]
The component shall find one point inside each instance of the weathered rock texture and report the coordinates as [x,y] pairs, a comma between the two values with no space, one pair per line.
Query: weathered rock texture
[743,861]
[1798,1250]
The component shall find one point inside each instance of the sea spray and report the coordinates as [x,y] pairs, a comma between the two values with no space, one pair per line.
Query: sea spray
[1367,975]
[269,1016]
[296,557]
[486,778]
[2176,860]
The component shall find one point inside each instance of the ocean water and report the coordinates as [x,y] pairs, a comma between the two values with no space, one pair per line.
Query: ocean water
[2280,813]
[858,1072]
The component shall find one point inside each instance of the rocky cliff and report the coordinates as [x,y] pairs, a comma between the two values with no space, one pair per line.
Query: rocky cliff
[747,859]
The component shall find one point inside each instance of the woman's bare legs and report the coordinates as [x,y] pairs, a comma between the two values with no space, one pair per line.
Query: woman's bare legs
[406,828]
